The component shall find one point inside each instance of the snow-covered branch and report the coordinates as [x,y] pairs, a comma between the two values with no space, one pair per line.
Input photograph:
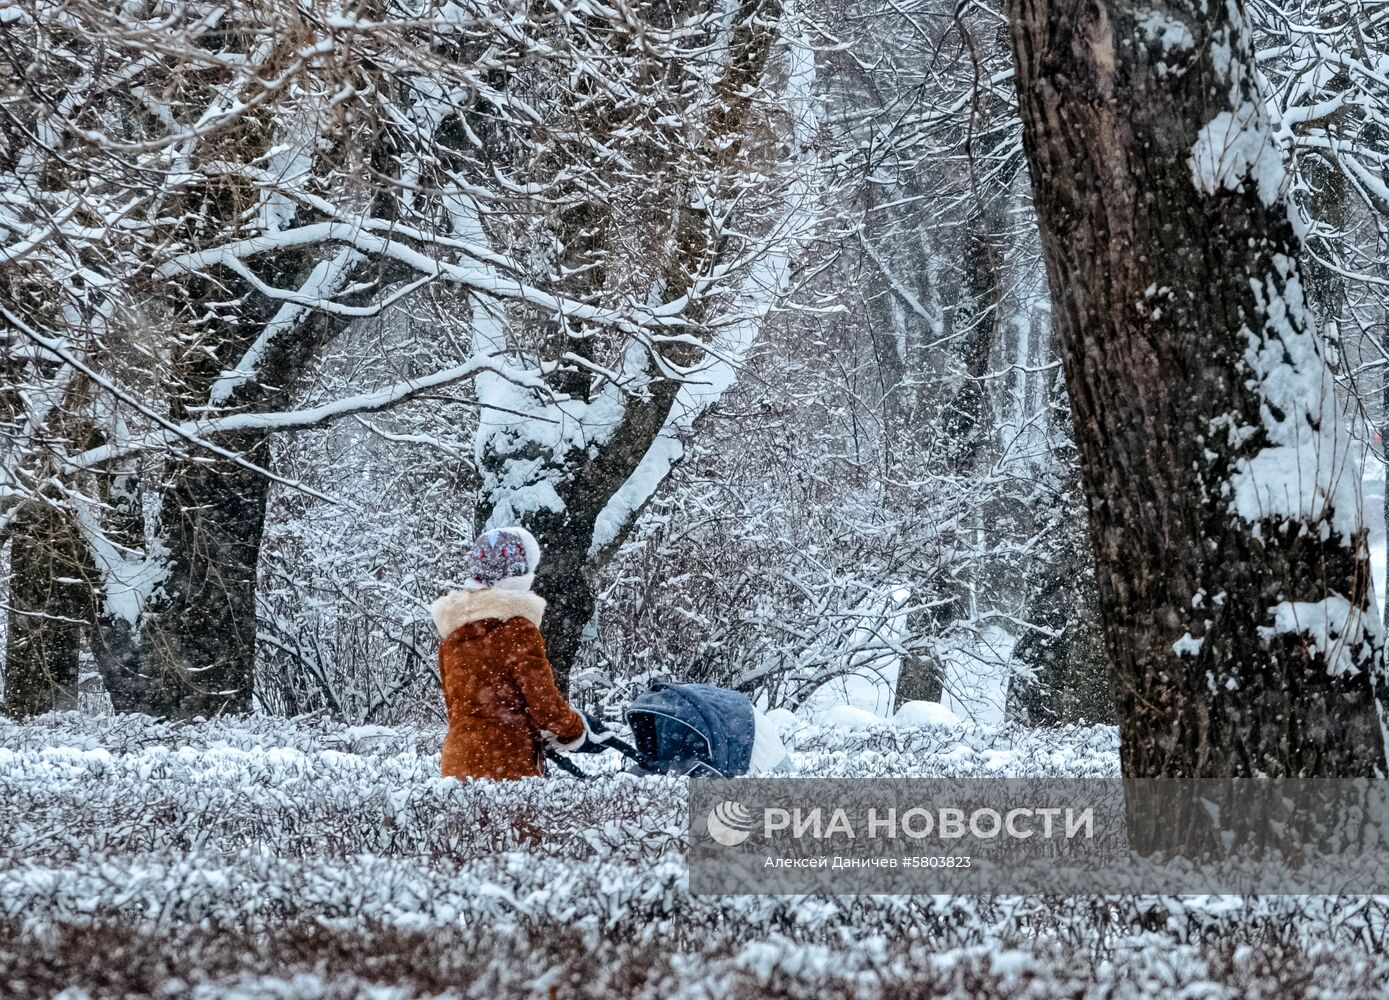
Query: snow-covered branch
[200,431]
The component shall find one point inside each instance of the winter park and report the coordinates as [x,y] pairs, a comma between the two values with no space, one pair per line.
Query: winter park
[686,499]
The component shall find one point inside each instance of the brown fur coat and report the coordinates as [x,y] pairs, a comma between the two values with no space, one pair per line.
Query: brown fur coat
[499,691]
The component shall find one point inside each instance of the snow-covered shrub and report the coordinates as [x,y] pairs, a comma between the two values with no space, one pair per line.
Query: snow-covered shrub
[288,859]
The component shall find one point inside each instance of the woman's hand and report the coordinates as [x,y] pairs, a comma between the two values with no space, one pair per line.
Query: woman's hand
[595,737]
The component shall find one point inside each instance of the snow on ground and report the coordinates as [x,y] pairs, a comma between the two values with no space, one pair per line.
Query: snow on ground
[874,660]
[302,859]
[925,713]
[976,675]
[977,670]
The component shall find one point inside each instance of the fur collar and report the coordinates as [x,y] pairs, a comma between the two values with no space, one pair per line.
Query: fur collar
[462,607]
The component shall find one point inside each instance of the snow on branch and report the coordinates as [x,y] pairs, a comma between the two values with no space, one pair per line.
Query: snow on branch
[471,275]
[198,431]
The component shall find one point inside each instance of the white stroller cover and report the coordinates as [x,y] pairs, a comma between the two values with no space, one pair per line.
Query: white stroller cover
[769,754]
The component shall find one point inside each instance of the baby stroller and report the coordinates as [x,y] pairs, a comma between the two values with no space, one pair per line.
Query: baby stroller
[702,731]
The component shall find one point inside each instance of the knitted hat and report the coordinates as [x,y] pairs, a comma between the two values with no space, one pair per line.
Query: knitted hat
[503,557]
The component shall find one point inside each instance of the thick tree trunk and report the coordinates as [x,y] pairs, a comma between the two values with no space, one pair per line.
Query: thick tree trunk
[1232,563]
[48,612]
[921,677]
[193,649]
[194,652]
[566,583]
[132,682]
[584,485]
[201,633]
[198,635]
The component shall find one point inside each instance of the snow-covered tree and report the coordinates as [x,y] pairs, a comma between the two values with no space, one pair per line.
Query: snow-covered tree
[1223,486]
[675,174]
[204,197]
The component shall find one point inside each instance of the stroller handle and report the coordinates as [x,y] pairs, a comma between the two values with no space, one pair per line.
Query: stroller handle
[621,746]
[564,764]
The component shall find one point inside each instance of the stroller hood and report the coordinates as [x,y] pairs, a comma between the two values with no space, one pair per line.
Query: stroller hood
[692,728]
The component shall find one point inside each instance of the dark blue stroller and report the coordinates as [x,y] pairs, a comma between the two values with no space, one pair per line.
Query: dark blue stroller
[699,730]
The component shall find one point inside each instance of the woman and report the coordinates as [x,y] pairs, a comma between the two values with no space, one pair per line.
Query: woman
[502,701]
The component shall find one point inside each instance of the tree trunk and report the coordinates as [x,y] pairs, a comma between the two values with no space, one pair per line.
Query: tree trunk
[1231,553]
[584,484]
[921,677]
[195,650]
[48,613]
[963,426]
[976,316]
[201,633]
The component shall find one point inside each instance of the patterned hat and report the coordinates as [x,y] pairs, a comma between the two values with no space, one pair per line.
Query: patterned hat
[501,554]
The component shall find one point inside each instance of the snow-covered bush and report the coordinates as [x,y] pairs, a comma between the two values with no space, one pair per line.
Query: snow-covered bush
[305,858]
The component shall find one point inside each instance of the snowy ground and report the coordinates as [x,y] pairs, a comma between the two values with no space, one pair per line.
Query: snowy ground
[265,858]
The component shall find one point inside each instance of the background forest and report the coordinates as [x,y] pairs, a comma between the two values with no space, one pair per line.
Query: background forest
[741,308]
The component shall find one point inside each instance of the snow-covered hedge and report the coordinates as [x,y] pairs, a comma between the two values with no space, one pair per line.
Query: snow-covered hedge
[303,859]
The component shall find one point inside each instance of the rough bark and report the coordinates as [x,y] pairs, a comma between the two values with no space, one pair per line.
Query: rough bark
[1178,306]
[194,650]
[48,611]
[201,633]
[921,677]
[198,635]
